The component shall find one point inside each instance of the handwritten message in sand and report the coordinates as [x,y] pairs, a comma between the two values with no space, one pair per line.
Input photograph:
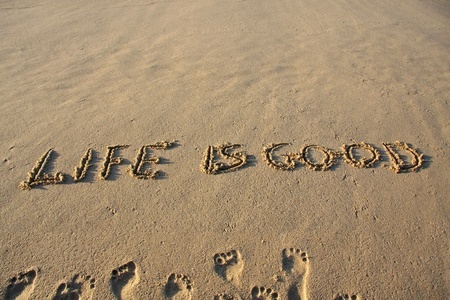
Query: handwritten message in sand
[403,158]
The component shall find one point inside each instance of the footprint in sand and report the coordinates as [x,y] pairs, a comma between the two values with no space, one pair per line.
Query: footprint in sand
[346,297]
[261,293]
[123,279]
[225,297]
[295,264]
[178,287]
[229,265]
[79,288]
[21,287]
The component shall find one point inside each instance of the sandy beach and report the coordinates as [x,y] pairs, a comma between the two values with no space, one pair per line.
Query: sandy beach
[225,149]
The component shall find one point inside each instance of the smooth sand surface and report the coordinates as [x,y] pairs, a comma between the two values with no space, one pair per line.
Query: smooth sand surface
[76,75]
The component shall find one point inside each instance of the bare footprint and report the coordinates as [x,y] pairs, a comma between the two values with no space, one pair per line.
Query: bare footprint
[261,293]
[21,287]
[229,265]
[178,287]
[79,288]
[123,279]
[346,297]
[225,297]
[295,264]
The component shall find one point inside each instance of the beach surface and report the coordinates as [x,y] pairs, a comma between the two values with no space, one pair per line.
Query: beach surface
[225,149]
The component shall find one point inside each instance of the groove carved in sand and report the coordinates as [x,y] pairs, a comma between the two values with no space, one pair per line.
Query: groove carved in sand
[327,162]
[363,162]
[398,165]
[137,168]
[110,159]
[37,175]
[85,162]
[236,159]
[288,164]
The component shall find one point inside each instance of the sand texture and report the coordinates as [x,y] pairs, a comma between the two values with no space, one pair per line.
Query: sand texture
[225,149]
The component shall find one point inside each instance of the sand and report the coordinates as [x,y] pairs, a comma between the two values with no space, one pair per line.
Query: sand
[219,149]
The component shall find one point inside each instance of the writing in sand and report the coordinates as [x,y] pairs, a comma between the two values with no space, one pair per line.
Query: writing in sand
[403,158]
